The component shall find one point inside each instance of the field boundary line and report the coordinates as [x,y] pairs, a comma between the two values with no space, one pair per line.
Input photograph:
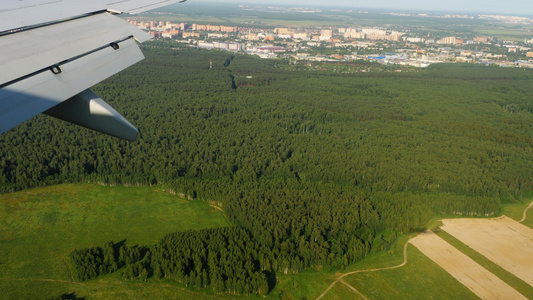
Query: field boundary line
[340,278]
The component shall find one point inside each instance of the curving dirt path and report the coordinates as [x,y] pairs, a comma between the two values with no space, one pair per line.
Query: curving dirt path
[353,289]
[524,214]
[223,213]
[340,278]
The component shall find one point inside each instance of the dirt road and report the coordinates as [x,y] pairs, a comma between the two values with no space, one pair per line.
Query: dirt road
[340,278]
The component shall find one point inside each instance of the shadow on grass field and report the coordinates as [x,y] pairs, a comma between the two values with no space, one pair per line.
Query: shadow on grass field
[40,227]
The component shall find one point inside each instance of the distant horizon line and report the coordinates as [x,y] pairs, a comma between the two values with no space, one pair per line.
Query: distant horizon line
[365,8]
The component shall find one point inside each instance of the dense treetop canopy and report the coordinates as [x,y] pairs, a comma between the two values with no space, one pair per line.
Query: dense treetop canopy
[310,166]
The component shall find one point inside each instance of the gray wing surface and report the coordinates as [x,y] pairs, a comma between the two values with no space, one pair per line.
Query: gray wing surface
[53,51]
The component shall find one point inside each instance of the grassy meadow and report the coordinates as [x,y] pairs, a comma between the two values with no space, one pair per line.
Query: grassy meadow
[420,278]
[415,280]
[529,221]
[40,227]
[516,212]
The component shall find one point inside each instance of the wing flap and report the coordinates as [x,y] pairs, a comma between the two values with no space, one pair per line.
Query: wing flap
[52,50]
[17,14]
[32,50]
[89,110]
[25,99]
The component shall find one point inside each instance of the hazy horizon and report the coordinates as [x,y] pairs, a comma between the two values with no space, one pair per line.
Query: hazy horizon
[514,7]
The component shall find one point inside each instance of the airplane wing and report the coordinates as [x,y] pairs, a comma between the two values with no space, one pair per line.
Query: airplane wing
[53,51]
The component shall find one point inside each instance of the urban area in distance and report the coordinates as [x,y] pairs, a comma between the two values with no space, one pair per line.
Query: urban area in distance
[388,44]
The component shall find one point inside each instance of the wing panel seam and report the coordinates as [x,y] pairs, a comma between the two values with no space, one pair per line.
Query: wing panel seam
[58,64]
[36,26]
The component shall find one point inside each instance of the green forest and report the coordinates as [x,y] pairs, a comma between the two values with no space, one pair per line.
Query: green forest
[311,166]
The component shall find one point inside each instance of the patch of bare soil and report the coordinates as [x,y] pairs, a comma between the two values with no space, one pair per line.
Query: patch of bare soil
[471,274]
[504,241]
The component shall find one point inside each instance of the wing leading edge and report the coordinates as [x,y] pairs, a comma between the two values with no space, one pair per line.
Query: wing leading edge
[50,67]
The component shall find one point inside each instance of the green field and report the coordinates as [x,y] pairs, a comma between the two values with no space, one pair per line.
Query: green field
[415,280]
[421,278]
[408,282]
[40,227]
[516,212]
[529,221]
[505,32]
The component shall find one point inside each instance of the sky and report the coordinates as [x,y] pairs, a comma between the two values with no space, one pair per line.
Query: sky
[516,7]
